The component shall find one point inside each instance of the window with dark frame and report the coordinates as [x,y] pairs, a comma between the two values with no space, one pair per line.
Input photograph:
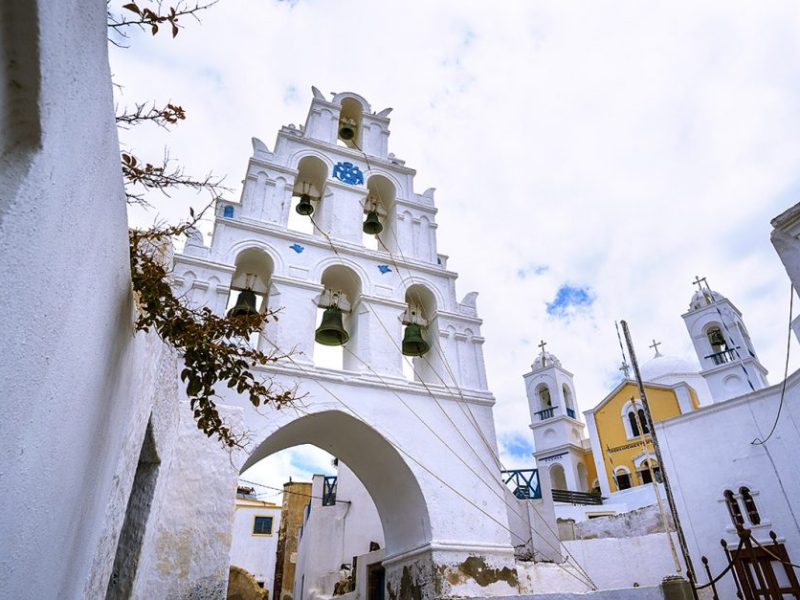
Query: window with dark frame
[734,509]
[750,506]
[262,526]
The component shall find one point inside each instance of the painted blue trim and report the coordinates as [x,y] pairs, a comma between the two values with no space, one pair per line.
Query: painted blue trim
[227,212]
[348,173]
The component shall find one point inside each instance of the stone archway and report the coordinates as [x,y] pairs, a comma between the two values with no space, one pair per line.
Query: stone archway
[392,485]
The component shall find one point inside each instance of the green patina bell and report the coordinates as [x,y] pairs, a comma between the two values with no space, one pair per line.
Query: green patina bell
[245,304]
[413,342]
[372,224]
[304,207]
[331,331]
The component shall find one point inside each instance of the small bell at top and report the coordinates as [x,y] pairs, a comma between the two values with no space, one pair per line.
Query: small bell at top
[245,304]
[304,207]
[413,342]
[716,338]
[347,132]
[372,224]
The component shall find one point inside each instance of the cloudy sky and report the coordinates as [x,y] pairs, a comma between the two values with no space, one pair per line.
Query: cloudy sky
[604,153]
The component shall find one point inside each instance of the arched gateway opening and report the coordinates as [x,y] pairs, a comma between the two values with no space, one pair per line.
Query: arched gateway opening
[379,466]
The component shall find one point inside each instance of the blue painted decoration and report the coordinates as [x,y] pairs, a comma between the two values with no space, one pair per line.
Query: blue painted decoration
[348,173]
[227,212]
[384,269]
[297,248]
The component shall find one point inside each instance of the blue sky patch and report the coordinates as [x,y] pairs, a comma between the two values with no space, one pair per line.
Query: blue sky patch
[519,446]
[570,300]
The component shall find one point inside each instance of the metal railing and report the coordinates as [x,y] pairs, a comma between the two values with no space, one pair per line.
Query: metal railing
[726,356]
[524,483]
[576,497]
[545,414]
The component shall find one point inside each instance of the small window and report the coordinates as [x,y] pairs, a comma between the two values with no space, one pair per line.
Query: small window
[733,508]
[643,421]
[262,526]
[227,212]
[634,424]
[750,506]
[623,481]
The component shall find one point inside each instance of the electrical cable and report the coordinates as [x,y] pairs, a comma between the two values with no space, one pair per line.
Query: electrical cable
[757,441]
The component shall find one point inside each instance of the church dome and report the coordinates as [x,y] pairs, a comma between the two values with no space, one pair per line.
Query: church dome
[664,366]
[703,298]
[545,359]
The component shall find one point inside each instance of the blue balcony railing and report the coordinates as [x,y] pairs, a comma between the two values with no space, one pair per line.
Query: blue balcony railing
[524,483]
[726,356]
[545,414]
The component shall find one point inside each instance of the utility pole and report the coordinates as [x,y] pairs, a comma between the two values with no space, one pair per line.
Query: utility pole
[664,474]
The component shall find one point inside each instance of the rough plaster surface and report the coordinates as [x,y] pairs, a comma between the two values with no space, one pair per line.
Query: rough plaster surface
[648,593]
[191,541]
[642,521]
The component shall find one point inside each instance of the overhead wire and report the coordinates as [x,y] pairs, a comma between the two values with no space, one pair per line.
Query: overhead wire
[473,422]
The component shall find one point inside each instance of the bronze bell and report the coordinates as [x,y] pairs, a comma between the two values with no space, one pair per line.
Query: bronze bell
[716,338]
[304,207]
[413,343]
[331,331]
[372,224]
[347,132]
[245,304]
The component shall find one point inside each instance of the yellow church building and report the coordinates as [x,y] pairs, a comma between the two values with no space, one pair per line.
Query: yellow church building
[619,435]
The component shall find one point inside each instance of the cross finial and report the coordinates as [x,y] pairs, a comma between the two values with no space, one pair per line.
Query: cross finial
[699,281]
[625,369]
[655,346]
[542,344]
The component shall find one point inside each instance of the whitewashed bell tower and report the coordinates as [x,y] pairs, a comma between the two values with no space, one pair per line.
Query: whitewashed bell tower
[423,446]
[729,361]
[557,430]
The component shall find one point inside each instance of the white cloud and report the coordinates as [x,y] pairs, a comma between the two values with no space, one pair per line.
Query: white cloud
[625,146]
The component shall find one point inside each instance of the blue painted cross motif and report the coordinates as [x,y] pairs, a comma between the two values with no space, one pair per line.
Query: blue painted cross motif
[384,269]
[297,248]
[348,173]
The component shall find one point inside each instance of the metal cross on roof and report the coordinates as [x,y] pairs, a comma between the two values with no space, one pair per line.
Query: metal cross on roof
[542,344]
[655,346]
[699,281]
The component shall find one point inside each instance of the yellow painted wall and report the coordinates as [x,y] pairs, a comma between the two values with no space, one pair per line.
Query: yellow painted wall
[617,449]
[591,468]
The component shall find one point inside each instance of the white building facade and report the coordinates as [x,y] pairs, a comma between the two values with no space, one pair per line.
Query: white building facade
[254,541]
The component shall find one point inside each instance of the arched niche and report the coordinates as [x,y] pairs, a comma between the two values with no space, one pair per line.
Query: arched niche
[558,479]
[381,194]
[345,282]
[544,396]
[311,179]
[390,482]
[350,120]
[254,269]
[420,300]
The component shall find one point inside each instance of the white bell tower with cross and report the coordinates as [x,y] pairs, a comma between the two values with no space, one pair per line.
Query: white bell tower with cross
[557,428]
[728,359]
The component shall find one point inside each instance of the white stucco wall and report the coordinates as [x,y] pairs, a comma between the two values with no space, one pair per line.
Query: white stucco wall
[255,552]
[711,450]
[74,414]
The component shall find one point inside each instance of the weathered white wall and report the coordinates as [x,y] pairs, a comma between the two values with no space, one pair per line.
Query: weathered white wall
[614,563]
[74,413]
[710,450]
[256,553]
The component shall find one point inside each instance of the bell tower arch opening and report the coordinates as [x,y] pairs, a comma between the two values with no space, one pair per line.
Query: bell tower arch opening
[307,193]
[384,472]
[250,285]
[349,133]
[420,337]
[378,213]
[337,318]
